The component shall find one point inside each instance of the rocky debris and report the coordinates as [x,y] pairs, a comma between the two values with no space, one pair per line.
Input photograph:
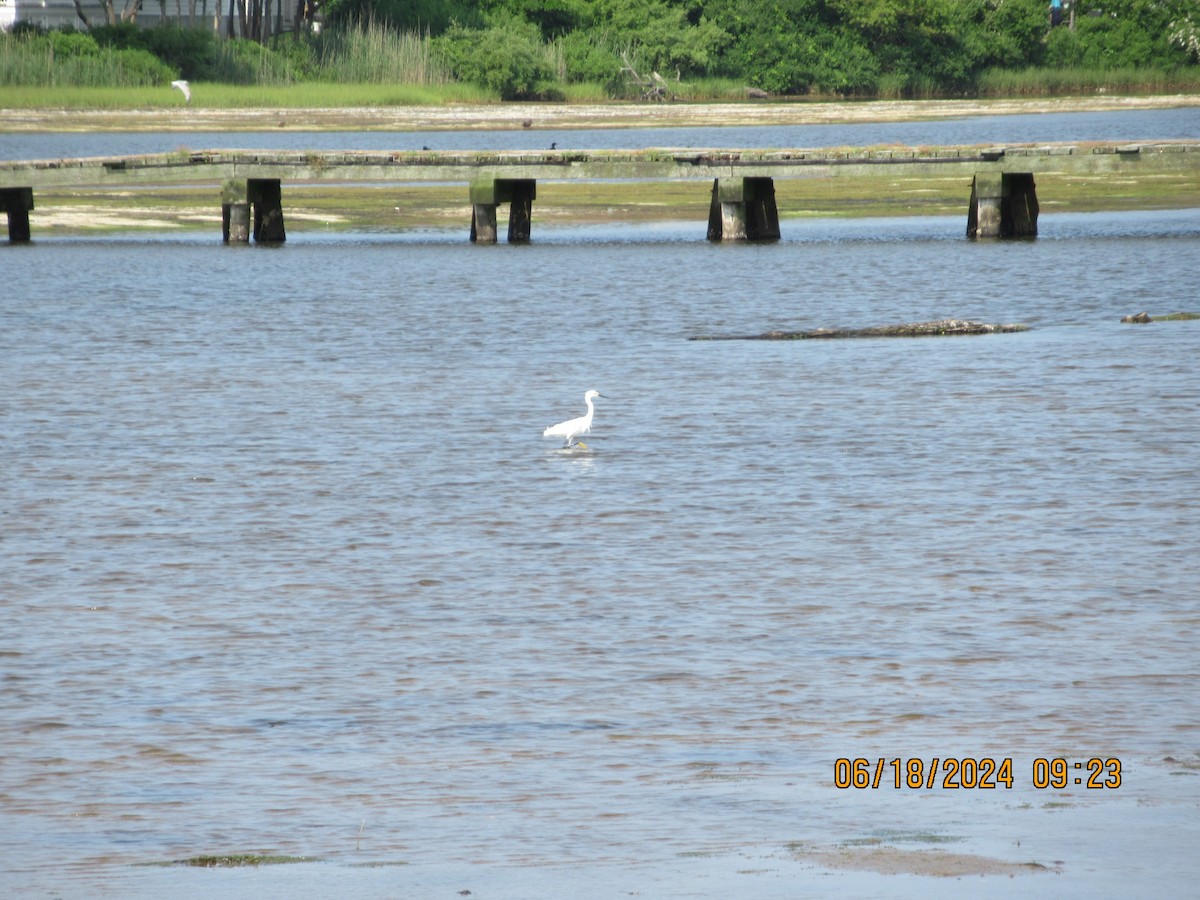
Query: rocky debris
[1144,317]
[939,328]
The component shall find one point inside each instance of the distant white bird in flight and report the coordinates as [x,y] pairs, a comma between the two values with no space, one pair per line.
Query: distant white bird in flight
[573,428]
[183,87]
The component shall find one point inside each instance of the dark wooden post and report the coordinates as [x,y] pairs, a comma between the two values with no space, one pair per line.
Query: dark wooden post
[17,202]
[266,197]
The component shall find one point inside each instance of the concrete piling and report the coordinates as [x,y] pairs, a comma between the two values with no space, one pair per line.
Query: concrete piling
[266,199]
[743,209]
[1003,205]
[235,222]
[487,194]
[17,203]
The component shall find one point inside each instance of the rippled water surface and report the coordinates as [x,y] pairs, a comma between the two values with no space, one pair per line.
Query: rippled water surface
[287,567]
[1123,125]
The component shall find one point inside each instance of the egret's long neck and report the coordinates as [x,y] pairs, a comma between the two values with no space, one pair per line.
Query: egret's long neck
[591,409]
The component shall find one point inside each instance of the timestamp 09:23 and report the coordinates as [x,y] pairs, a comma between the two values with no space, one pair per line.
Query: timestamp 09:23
[983,773]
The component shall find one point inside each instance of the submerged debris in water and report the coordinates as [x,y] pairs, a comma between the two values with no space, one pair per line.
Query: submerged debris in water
[911,329]
[240,859]
[1143,318]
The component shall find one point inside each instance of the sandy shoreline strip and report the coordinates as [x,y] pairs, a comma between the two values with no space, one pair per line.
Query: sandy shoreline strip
[559,115]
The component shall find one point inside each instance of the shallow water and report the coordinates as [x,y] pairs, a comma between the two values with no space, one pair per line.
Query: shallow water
[1123,125]
[287,567]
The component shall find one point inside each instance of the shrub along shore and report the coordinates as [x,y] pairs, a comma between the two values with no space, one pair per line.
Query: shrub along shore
[638,49]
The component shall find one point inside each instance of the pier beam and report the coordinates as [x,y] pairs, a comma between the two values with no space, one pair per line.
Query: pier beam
[1003,206]
[743,209]
[266,198]
[488,194]
[17,202]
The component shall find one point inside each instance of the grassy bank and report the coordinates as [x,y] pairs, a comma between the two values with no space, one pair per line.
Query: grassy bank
[346,95]
[212,95]
[1041,82]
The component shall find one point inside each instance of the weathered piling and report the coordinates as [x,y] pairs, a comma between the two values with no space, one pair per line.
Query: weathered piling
[743,209]
[1002,206]
[487,194]
[520,210]
[235,222]
[1003,195]
[17,203]
[266,198]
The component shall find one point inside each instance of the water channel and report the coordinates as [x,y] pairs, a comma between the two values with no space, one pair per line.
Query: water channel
[287,567]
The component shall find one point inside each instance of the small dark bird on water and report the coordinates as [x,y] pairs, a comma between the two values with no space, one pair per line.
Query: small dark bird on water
[554,145]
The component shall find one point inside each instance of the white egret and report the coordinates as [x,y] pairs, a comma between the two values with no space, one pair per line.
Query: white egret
[182,86]
[572,428]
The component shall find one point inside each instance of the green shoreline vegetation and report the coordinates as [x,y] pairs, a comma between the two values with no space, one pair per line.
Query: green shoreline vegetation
[399,52]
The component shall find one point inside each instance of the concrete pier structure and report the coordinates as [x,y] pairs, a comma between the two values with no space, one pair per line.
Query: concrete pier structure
[1003,206]
[1000,181]
[743,209]
[488,193]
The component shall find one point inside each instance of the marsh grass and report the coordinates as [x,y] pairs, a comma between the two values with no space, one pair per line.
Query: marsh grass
[362,53]
[36,63]
[585,92]
[369,52]
[710,89]
[1053,82]
[213,95]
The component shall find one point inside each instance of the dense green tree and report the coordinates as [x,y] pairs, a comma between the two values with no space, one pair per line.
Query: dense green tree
[911,38]
[524,48]
[507,57]
[674,38]
[794,46]
[1003,33]
[1112,34]
[432,16]
[554,18]
[589,55]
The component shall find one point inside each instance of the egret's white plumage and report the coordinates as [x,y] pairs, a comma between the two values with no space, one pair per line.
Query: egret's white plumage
[573,428]
[183,87]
